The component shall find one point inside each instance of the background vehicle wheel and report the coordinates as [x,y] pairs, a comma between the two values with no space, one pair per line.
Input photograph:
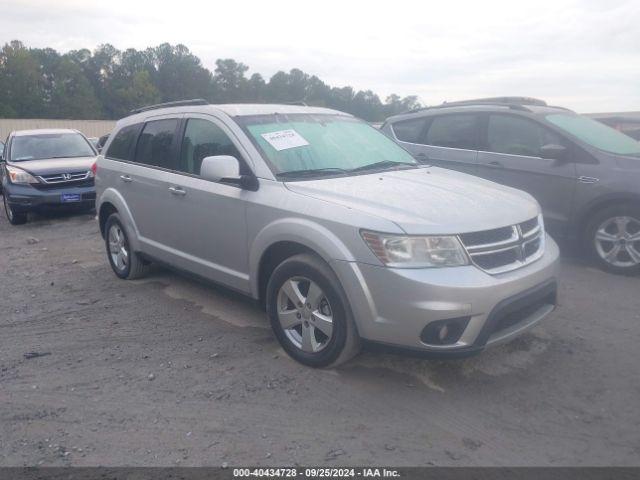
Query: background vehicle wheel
[613,238]
[14,218]
[125,263]
[310,314]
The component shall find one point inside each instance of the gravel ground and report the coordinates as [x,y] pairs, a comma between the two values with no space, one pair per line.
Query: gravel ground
[168,371]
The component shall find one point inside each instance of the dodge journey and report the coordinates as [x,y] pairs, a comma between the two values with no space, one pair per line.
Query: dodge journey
[335,229]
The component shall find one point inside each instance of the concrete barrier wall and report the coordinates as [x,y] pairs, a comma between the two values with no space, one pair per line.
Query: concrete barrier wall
[91,128]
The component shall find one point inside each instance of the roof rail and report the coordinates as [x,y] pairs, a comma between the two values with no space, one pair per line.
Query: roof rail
[299,103]
[523,101]
[513,103]
[178,103]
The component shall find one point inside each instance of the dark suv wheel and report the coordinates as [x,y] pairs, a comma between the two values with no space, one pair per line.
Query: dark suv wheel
[309,312]
[613,238]
[15,218]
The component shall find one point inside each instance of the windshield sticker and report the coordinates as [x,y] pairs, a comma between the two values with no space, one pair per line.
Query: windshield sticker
[285,139]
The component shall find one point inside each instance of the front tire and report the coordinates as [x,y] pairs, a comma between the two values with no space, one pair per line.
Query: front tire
[15,218]
[125,263]
[613,239]
[310,314]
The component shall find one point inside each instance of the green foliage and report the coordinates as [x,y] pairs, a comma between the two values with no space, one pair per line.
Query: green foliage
[108,83]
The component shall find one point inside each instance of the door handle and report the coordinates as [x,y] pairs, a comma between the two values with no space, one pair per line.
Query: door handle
[177,191]
[125,178]
[496,164]
[584,179]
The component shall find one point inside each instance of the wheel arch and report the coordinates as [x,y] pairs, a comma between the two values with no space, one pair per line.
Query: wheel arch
[584,215]
[112,202]
[286,238]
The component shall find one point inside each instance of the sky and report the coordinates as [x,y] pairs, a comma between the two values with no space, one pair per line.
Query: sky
[581,54]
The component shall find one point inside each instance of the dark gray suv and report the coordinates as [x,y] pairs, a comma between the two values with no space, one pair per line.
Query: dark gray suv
[585,175]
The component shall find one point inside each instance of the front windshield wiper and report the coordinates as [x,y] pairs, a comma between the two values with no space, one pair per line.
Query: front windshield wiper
[382,164]
[311,172]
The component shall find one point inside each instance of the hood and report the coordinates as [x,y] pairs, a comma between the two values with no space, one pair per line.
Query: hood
[426,200]
[49,166]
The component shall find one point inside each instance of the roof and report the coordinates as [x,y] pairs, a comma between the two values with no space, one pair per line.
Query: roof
[479,107]
[241,109]
[43,131]
[233,110]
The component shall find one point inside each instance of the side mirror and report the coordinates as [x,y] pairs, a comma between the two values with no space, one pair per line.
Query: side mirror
[220,167]
[226,169]
[553,152]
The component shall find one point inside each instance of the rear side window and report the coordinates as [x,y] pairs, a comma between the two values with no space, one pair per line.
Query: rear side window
[203,138]
[409,130]
[518,136]
[454,131]
[155,145]
[122,145]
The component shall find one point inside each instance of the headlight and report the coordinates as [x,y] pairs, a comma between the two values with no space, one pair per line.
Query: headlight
[416,252]
[17,175]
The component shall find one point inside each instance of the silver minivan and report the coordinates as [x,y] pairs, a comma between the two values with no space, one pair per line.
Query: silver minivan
[341,235]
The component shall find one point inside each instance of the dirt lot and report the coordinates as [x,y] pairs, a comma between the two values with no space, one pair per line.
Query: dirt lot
[167,371]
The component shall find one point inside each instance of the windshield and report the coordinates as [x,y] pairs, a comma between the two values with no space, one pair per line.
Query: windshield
[596,134]
[322,145]
[49,145]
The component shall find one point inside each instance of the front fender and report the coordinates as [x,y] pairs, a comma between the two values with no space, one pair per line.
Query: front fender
[305,232]
[112,196]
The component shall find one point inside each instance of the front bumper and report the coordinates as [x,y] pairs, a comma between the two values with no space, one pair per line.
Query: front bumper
[394,306]
[25,198]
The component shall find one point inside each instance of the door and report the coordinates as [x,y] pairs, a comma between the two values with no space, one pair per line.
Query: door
[512,156]
[142,180]
[204,222]
[448,141]
[451,141]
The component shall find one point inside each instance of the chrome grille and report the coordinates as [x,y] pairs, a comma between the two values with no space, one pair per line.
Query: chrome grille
[508,248]
[65,177]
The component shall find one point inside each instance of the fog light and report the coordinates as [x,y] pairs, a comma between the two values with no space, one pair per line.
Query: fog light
[444,332]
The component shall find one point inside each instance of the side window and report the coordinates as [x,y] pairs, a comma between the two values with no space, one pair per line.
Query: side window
[454,131]
[409,130]
[156,142]
[122,145]
[203,138]
[518,136]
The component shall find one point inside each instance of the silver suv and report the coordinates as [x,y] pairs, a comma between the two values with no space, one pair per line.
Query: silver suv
[334,228]
[585,174]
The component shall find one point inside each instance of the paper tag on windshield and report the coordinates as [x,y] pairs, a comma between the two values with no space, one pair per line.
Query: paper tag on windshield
[285,139]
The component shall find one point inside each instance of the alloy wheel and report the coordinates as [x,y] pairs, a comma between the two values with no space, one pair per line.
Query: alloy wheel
[617,241]
[305,314]
[118,249]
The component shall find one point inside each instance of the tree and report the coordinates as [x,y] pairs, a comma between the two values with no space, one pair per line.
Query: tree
[72,95]
[21,85]
[108,83]
[137,92]
[178,73]
[230,81]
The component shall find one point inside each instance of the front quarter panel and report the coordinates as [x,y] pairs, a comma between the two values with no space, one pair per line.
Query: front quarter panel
[331,231]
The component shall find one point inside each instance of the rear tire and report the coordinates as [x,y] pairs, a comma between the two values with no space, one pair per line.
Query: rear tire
[321,329]
[125,263]
[612,239]
[15,218]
